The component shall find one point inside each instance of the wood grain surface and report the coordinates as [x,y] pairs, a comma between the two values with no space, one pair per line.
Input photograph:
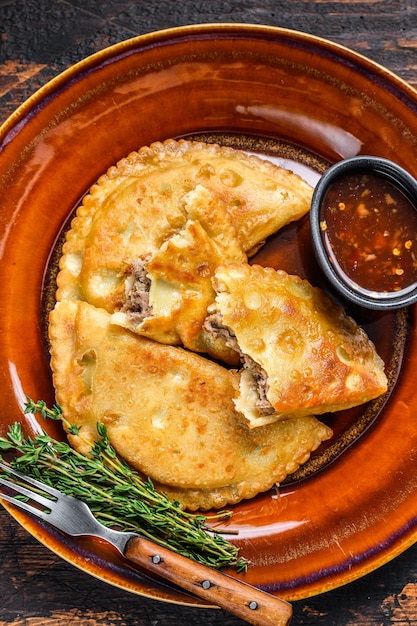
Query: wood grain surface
[39,39]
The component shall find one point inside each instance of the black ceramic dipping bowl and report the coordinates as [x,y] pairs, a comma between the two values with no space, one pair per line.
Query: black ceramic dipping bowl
[364,231]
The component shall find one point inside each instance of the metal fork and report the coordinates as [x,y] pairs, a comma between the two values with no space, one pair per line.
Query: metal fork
[73,517]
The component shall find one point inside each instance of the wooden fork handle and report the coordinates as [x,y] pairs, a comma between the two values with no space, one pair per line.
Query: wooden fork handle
[244,601]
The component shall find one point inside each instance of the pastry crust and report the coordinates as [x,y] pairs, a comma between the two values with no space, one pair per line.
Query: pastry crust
[168,412]
[151,194]
[302,354]
[172,306]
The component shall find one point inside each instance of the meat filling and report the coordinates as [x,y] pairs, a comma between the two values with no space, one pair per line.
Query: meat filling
[138,286]
[213,324]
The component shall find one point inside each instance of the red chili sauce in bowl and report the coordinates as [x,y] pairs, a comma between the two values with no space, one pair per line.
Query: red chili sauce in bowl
[369,228]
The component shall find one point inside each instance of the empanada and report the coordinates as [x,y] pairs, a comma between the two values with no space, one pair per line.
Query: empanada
[168,294]
[151,194]
[168,412]
[302,354]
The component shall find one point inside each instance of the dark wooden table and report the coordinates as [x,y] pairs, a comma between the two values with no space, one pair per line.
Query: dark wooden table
[39,39]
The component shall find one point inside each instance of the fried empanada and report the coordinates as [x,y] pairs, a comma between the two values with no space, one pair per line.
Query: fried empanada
[167,295]
[302,354]
[151,194]
[168,412]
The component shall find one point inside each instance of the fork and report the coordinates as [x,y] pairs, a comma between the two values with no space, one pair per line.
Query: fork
[73,517]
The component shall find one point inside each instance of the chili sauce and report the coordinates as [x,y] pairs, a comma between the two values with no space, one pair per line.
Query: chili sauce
[369,227]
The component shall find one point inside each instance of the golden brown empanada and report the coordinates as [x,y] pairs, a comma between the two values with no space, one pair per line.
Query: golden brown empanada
[151,194]
[167,295]
[168,412]
[302,354]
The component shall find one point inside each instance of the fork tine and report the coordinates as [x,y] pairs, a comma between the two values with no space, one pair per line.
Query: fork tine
[36,497]
[31,481]
[26,507]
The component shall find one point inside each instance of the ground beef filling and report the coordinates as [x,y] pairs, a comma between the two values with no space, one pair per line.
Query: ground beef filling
[136,304]
[213,324]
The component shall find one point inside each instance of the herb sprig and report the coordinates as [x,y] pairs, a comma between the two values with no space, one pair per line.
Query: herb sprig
[117,495]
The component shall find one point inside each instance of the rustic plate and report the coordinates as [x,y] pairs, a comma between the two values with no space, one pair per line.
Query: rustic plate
[302,101]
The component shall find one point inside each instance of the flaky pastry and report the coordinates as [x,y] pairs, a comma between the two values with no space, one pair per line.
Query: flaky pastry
[168,412]
[150,195]
[302,354]
[168,294]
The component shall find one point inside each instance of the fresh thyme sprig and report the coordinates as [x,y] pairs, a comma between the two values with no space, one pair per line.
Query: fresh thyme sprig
[117,495]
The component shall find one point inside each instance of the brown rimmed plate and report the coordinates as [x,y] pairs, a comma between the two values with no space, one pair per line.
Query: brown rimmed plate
[304,102]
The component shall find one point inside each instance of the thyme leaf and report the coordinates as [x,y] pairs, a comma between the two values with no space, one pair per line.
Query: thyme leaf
[116,494]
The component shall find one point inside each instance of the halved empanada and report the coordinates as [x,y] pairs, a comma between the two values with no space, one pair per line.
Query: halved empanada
[302,354]
[167,295]
[168,412]
[149,196]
